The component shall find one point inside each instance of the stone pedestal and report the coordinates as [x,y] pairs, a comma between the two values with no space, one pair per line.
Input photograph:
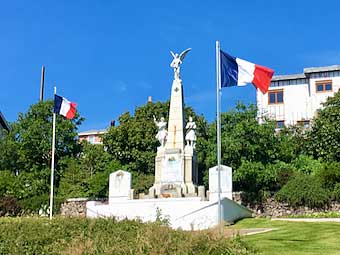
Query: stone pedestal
[226,182]
[120,186]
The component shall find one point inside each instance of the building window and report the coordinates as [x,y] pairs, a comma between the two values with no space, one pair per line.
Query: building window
[323,86]
[280,124]
[303,123]
[91,139]
[275,97]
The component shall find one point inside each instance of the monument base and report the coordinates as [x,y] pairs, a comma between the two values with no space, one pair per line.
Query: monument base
[173,190]
[182,213]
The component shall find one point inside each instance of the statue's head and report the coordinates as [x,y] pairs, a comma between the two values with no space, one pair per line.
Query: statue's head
[190,119]
[176,55]
[162,119]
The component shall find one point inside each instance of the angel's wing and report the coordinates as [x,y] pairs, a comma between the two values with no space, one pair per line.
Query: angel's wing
[173,54]
[184,53]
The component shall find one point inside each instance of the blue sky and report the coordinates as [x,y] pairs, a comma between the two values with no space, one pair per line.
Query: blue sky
[109,56]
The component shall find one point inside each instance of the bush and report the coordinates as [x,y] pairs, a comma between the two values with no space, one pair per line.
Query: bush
[307,165]
[107,236]
[330,175]
[283,173]
[336,193]
[9,206]
[254,176]
[304,190]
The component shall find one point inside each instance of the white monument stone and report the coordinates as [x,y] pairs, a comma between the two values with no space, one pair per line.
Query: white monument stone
[226,182]
[176,163]
[119,186]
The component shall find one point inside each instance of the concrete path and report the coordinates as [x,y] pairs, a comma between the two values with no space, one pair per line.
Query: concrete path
[309,219]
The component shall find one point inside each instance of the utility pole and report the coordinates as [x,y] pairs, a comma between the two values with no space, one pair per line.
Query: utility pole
[42,83]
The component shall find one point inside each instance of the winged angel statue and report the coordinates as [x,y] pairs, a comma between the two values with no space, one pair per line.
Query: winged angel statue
[177,61]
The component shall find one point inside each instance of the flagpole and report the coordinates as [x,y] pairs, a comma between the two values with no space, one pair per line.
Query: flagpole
[52,161]
[218,126]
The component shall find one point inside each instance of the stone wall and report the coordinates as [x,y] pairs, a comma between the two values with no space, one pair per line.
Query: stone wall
[272,208]
[74,207]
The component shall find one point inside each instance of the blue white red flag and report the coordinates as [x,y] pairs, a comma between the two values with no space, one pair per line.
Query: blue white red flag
[239,72]
[64,107]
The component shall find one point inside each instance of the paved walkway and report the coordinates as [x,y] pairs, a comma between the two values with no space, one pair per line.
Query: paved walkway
[309,219]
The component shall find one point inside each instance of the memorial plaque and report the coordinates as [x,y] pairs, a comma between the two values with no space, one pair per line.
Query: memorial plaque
[226,179]
[172,171]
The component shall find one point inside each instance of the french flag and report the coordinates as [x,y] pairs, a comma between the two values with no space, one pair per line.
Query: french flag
[239,72]
[64,107]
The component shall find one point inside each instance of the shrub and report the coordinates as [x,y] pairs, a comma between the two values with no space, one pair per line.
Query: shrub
[336,193]
[107,236]
[304,190]
[9,206]
[283,173]
[32,205]
[330,175]
[307,165]
[250,176]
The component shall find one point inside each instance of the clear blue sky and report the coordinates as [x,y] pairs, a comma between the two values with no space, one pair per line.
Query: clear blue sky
[109,56]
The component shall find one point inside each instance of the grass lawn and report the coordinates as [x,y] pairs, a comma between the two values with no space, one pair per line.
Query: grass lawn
[293,237]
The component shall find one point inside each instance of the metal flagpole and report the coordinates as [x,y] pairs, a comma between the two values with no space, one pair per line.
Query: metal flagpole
[52,161]
[218,126]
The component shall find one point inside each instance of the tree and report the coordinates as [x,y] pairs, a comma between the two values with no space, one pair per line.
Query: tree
[323,140]
[26,151]
[87,175]
[243,138]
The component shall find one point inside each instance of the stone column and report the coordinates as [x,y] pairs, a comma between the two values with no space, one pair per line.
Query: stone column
[175,139]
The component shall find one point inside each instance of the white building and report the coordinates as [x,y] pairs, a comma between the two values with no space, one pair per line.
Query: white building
[294,99]
[92,136]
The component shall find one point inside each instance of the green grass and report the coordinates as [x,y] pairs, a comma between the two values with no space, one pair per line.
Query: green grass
[293,237]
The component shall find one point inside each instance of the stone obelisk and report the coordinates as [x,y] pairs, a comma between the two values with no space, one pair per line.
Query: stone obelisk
[175,163]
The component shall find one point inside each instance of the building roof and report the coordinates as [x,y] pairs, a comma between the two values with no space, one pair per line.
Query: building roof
[306,72]
[288,77]
[321,69]
[3,122]
[93,132]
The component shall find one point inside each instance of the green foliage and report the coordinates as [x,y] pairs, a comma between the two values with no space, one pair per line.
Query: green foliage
[254,176]
[336,193]
[142,182]
[243,138]
[330,174]
[284,172]
[107,236]
[88,174]
[9,206]
[324,138]
[133,141]
[257,180]
[304,190]
[7,183]
[307,165]
[25,156]
[31,136]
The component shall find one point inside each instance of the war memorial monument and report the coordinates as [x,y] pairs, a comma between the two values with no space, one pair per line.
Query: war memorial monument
[175,194]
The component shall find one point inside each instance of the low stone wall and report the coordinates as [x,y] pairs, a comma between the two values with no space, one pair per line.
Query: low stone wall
[74,207]
[272,208]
